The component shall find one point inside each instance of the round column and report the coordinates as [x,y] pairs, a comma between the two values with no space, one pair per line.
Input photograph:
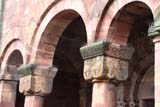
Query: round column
[8,87]
[104,94]
[34,101]
[36,82]
[105,64]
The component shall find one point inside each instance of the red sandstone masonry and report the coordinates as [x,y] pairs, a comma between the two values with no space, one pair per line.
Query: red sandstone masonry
[23,17]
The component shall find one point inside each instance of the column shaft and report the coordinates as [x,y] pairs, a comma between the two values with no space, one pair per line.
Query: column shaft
[157,74]
[104,94]
[34,101]
[8,91]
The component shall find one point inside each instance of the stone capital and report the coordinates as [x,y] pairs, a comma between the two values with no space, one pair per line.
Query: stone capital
[36,79]
[106,61]
[154,31]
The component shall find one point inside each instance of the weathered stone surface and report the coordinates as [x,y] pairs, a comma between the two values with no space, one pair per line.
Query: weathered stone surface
[106,61]
[37,85]
[39,70]
[116,68]
[154,30]
[103,68]
[34,101]
[119,51]
[36,79]
[107,49]
[93,68]
[93,50]
[104,94]
[8,89]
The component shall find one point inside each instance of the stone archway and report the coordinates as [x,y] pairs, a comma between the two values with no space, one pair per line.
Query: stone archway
[130,16]
[69,80]
[10,96]
[49,39]
[12,57]
[15,60]
[59,46]
[129,27]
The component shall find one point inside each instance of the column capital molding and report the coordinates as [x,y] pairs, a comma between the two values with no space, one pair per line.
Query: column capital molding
[38,70]
[36,79]
[104,61]
[154,29]
[107,49]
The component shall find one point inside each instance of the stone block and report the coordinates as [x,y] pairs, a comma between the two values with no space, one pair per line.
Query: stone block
[38,70]
[106,61]
[37,85]
[36,79]
[105,68]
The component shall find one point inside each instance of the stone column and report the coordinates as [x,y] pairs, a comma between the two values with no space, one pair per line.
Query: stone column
[36,82]
[154,33]
[8,88]
[105,65]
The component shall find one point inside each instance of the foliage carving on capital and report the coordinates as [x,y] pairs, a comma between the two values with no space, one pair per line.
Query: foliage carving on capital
[105,68]
[106,61]
[117,69]
[93,68]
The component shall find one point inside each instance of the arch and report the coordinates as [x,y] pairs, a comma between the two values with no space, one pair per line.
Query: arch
[139,79]
[12,60]
[13,45]
[59,45]
[118,13]
[47,38]
[146,88]
[15,58]
[143,66]
[53,9]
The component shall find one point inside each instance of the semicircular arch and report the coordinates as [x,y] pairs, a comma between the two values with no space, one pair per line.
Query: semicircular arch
[13,45]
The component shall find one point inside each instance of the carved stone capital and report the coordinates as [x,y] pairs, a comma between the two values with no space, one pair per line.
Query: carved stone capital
[110,62]
[154,30]
[36,79]
[105,68]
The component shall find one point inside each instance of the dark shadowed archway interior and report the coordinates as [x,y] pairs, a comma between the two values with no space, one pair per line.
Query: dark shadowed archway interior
[67,58]
[16,59]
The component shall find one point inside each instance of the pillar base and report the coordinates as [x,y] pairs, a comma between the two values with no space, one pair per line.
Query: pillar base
[8,91]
